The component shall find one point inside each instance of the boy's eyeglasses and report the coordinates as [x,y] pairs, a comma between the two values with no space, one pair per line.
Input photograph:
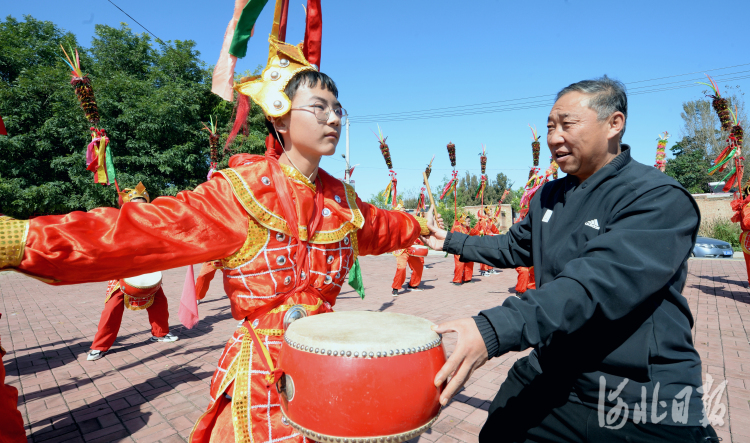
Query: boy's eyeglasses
[323,112]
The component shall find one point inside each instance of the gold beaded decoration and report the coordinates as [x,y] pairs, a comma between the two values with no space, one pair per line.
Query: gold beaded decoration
[257,237]
[284,308]
[355,246]
[241,398]
[263,215]
[423,230]
[297,176]
[270,332]
[13,235]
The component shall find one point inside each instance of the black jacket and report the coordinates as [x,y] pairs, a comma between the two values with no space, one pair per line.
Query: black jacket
[610,262]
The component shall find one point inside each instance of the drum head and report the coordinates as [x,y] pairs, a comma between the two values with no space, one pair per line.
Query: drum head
[362,331]
[144,281]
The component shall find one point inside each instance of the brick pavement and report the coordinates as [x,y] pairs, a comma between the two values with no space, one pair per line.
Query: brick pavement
[149,392]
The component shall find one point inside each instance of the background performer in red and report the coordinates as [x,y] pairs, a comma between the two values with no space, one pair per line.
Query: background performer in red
[117,301]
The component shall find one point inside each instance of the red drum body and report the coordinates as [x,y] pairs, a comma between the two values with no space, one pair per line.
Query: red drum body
[360,377]
[141,286]
[417,251]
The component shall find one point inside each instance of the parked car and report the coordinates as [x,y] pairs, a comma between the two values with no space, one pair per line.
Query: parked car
[712,248]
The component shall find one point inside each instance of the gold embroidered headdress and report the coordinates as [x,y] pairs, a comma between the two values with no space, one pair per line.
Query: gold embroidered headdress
[267,90]
[284,61]
[128,194]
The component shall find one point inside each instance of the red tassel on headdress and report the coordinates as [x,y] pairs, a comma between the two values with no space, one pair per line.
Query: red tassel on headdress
[240,121]
[273,147]
[313,33]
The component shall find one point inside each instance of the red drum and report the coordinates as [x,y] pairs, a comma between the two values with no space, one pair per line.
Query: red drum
[360,377]
[417,251]
[141,286]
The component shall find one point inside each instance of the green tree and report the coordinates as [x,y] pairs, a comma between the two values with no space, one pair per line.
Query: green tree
[151,100]
[378,200]
[690,165]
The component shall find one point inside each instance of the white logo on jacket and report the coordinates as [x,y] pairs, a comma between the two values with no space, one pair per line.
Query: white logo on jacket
[593,224]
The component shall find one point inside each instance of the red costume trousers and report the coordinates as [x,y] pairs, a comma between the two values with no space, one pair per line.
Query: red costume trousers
[525,279]
[109,324]
[483,267]
[463,271]
[11,429]
[415,263]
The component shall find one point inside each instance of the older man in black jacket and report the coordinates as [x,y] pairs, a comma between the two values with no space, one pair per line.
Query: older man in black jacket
[613,358]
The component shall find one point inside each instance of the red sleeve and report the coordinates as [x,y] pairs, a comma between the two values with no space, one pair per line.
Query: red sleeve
[476,229]
[107,243]
[385,231]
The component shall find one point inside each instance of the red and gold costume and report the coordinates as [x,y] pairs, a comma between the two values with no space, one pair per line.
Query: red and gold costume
[486,226]
[403,259]
[235,218]
[462,272]
[117,300]
[109,324]
[741,209]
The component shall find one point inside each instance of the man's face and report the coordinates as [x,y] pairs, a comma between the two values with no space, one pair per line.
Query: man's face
[577,140]
[138,200]
[306,133]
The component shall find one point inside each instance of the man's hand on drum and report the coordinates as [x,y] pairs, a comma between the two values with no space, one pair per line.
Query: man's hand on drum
[437,232]
[470,353]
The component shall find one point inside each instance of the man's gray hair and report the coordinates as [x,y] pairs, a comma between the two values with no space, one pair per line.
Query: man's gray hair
[607,97]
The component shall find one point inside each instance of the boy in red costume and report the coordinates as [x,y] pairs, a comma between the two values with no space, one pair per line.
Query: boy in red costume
[285,232]
[403,260]
[462,272]
[117,301]
[486,226]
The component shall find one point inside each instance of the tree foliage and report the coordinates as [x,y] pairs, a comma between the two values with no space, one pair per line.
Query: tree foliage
[690,165]
[151,98]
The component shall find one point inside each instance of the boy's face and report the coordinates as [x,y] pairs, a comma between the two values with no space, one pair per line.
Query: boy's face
[303,129]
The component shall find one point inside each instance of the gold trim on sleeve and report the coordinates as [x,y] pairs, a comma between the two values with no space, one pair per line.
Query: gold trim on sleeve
[423,230]
[257,239]
[13,235]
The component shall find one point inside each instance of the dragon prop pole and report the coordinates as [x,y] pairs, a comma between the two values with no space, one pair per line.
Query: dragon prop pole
[535,146]
[98,155]
[429,193]
[213,143]
[661,164]
[453,183]
[483,179]
[390,192]
[732,155]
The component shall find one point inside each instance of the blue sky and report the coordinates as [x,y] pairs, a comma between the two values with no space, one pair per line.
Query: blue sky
[392,57]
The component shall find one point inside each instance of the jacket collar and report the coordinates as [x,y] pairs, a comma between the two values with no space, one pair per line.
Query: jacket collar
[611,168]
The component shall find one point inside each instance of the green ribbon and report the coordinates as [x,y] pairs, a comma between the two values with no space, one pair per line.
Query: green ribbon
[355,279]
[110,166]
[244,28]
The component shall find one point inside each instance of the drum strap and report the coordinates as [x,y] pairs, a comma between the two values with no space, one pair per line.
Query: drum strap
[273,374]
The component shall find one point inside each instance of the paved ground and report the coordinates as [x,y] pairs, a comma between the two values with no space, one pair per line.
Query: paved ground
[148,392]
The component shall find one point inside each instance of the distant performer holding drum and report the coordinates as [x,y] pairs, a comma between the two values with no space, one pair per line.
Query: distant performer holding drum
[412,256]
[136,293]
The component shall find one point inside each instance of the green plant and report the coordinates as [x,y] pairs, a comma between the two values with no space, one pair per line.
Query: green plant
[722,229]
